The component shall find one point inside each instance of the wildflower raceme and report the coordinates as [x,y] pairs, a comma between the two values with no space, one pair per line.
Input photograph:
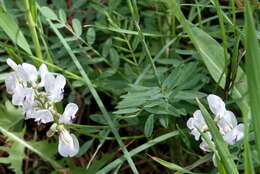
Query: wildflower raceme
[226,121]
[37,92]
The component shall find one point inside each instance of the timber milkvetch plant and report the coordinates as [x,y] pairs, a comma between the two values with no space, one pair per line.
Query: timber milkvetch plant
[37,92]
[226,121]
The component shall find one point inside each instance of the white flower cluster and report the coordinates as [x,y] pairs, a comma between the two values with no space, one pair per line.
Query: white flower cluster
[37,92]
[226,121]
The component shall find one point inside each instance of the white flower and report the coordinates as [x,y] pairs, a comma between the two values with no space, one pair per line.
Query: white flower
[226,120]
[54,86]
[42,116]
[22,95]
[216,105]
[197,122]
[68,143]
[235,135]
[25,72]
[69,113]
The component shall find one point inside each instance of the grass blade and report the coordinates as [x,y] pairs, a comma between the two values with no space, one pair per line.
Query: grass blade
[170,165]
[253,70]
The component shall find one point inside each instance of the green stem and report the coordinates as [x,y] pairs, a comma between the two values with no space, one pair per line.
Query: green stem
[32,24]
[98,127]
[107,138]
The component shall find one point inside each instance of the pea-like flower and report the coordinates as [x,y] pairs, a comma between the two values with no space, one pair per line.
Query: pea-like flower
[27,85]
[226,121]
[69,113]
[216,105]
[54,86]
[25,72]
[197,122]
[68,143]
[235,135]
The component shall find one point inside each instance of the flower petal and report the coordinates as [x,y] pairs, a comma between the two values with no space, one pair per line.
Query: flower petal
[21,95]
[49,84]
[205,147]
[227,122]
[196,134]
[68,144]
[216,105]
[43,70]
[190,123]
[69,113]
[60,81]
[31,72]
[43,116]
[235,134]
[54,87]
[11,83]
[11,63]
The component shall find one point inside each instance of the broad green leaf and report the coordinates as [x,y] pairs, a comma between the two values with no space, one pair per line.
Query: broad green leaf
[12,30]
[148,127]
[48,13]
[91,36]
[126,111]
[76,25]
[62,16]
[114,57]
[188,95]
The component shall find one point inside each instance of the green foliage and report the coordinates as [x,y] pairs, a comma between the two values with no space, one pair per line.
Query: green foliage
[135,68]
[10,27]
[16,154]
